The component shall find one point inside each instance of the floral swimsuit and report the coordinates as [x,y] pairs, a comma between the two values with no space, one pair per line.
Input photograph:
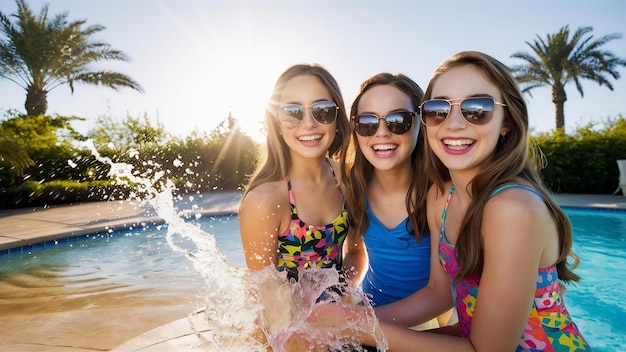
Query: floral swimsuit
[305,245]
[549,327]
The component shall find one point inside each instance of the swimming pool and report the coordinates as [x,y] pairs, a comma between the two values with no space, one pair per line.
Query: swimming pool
[596,302]
[101,290]
[132,259]
[140,260]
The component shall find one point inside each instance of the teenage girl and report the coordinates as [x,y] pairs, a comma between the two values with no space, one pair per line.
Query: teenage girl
[293,212]
[387,249]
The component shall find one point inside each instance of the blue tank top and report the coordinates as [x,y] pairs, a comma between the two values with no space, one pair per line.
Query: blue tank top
[398,264]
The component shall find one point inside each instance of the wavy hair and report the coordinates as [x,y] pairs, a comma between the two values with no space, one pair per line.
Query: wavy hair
[278,161]
[509,162]
[357,171]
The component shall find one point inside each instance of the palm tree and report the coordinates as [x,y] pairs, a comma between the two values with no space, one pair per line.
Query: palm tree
[562,60]
[40,54]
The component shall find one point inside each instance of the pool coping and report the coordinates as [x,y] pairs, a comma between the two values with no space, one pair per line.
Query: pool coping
[21,229]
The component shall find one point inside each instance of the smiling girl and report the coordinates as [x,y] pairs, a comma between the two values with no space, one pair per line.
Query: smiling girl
[293,212]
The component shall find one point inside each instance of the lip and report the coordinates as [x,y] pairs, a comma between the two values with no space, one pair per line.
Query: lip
[457,146]
[384,149]
[310,139]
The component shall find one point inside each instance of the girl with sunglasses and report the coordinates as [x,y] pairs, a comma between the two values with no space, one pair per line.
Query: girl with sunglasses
[497,234]
[292,214]
[387,250]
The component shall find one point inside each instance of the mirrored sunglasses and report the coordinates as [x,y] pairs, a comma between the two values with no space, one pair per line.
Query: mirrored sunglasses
[398,122]
[291,115]
[477,111]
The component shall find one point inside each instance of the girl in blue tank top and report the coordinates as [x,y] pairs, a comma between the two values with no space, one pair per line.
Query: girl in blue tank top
[388,249]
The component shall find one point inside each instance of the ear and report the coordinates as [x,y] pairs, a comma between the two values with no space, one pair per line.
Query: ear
[504,131]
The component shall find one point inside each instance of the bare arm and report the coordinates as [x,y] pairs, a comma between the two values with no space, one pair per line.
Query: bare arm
[355,258]
[517,231]
[260,217]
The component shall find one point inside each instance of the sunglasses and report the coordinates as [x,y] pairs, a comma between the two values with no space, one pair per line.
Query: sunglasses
[398,122]
[291,115]
[477,111]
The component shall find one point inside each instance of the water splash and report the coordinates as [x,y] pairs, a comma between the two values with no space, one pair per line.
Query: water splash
[247,310]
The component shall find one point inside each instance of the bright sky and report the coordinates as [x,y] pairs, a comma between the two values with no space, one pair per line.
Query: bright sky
[198,59]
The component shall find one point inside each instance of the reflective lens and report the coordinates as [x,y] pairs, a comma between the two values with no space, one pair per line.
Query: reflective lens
[477,111]
[398,122]
[291,115]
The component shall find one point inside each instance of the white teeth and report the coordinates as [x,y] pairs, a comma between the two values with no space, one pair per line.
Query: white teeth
[457,142]
[384,146]
[310,138]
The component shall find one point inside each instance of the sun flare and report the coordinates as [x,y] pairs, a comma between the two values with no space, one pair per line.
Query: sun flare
[239,84]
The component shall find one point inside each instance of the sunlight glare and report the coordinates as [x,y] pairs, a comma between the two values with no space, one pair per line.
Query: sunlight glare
[230,72]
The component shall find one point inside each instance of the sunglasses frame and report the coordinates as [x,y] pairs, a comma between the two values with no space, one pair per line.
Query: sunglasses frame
[355,123]
[303,109]
[480,122]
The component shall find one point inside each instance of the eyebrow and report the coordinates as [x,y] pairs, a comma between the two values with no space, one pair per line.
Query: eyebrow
[478,95]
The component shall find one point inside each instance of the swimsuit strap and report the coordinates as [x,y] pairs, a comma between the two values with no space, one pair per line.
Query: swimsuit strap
[445,211]
[330,166]
[496,191]
[530,189]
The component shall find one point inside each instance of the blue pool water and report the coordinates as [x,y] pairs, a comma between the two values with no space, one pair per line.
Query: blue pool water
[140,259]
[596,302]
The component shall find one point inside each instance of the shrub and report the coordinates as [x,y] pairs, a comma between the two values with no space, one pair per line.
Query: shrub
[584,162]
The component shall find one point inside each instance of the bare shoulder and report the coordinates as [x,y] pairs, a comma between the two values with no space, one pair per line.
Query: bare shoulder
[268,195]
[521,214]
[516,202]
[436,198]
[518,225]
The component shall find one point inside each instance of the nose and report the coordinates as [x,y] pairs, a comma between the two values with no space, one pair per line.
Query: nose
[455,117]
[382,129]
[307,118]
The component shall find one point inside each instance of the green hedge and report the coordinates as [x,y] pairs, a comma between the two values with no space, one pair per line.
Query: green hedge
[34,194]
[584,162]
[63,172]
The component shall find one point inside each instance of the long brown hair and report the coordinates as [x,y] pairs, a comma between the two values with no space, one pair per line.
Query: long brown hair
[357,170]
[278,161]
[509,162]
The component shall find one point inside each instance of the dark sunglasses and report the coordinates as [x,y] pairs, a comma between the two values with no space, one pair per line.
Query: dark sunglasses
[398,122]
[477,111]
[291,115]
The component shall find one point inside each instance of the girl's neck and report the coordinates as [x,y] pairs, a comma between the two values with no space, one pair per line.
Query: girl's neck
[390,180]
[310,170]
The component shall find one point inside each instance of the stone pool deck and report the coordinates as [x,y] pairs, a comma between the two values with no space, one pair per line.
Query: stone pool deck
[22,228]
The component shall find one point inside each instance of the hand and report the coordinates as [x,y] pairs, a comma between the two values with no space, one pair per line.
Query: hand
[299,342]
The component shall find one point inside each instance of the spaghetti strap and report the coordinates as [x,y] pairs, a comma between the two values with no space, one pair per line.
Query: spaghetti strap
[502,188]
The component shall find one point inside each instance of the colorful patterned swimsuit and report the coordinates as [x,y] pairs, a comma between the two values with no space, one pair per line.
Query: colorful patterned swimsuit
[304,245]
[549,327]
